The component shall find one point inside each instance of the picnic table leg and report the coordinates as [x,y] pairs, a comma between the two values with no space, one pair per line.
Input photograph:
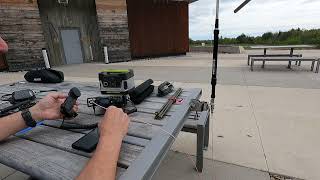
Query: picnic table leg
[289,65]
[300,63]
[312,65]
[252,63]
[207,134]
[200,146]
[291,52]
[318,66]
[249,59]
[263,63]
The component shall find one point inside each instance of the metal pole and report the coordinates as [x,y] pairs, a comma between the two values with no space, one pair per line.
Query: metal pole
[241,6]
[106,56]
[215,57]
[46,58]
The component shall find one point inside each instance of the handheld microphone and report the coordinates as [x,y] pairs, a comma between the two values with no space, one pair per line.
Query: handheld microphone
[67,106]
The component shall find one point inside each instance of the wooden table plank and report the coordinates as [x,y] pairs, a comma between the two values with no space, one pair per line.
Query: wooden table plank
[135,129]
[62,139]
[41,161]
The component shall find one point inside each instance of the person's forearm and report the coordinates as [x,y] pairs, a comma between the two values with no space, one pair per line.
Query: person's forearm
[14,123]
[103,164]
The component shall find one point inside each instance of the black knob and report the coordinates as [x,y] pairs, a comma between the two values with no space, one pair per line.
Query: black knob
[75,93]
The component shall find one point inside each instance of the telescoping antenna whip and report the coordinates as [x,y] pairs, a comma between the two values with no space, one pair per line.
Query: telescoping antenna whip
[216,48]
[215,56]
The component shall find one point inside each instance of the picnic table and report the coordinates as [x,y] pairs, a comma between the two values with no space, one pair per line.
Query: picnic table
[45,152]
[291,57]
[288,47]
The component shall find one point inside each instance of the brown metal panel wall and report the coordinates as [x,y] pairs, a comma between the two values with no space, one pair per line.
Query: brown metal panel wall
[158,28]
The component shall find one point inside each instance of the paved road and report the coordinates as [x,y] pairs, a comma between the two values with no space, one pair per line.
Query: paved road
[272,76]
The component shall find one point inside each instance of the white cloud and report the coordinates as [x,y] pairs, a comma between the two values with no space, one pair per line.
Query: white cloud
[257,17]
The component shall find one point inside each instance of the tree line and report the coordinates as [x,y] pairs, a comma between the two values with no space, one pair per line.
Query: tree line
[292,37]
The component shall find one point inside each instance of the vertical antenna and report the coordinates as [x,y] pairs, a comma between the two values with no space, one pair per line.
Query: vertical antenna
[215,57]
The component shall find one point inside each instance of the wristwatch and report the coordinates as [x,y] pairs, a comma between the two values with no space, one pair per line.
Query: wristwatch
[27,117]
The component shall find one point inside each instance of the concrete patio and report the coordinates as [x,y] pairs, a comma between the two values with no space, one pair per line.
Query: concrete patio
[264,121]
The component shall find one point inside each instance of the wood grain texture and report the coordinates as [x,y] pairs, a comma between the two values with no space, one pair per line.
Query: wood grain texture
[135,129]
[41,161]
[78,14]
[21,28]
[62,139]
[113,28]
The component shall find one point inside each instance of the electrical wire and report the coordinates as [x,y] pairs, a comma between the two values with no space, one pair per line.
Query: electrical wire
[168,133]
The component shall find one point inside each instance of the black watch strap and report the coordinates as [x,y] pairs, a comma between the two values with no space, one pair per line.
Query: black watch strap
[27,117]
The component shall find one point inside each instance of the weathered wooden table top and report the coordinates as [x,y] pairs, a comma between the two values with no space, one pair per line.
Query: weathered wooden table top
[46,153]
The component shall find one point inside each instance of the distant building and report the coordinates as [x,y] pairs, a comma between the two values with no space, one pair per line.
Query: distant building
[76,31]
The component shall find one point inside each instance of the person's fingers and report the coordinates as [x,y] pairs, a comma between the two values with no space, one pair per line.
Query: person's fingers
[110,111]
[58,95]
[61,101]
[75,108]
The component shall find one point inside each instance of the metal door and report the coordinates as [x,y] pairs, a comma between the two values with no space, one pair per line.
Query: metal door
[71,46]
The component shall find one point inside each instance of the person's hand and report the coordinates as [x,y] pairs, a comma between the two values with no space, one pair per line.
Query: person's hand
[114,123]
[48,108]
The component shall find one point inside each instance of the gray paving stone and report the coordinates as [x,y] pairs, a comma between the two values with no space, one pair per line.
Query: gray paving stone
[5,171]
[18,176]
[178,166]
[225,171]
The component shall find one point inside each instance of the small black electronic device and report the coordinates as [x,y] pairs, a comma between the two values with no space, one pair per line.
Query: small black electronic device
[87,143]
[23,95]
[19,96]
[67,106]
[20,100]
[107,101]
[164,89]
[118,101]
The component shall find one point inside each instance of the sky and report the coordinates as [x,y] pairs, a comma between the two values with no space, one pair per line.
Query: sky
[258,17]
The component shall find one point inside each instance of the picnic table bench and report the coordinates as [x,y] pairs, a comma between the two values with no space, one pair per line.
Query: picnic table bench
[45,152]
[281,57]
[289,47]
[289,59]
